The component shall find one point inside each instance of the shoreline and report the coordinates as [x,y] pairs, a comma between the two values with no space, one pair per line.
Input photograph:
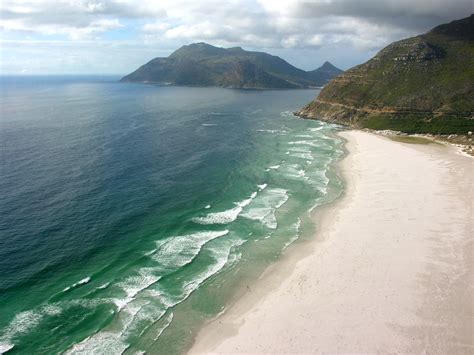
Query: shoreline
[461,142]
[378,292]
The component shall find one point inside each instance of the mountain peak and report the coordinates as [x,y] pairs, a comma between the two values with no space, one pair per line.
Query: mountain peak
[325,72]
[201,64]
[200,45]
[197,50]
[328,66]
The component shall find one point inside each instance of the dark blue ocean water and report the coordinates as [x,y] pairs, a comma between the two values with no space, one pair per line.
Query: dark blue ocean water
[123,207]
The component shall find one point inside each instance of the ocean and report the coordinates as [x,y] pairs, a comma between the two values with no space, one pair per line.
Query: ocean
[131,214]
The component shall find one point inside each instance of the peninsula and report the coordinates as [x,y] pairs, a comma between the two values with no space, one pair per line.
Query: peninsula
[200,64]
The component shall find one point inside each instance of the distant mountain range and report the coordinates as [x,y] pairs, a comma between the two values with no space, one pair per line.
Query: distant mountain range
[201,64]
[423,84]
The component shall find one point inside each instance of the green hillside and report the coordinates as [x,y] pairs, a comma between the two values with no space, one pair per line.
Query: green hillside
[423,84]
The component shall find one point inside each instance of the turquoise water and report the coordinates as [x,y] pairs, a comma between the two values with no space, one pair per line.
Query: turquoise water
[130,214]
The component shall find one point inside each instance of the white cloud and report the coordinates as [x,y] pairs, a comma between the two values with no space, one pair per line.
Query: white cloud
[318,26]
[92,30]
[155,27]
[285,23]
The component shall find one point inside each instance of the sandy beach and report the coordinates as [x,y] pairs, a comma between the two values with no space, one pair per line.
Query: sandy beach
[390,269]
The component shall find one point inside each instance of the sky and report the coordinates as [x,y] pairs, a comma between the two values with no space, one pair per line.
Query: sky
[116,37]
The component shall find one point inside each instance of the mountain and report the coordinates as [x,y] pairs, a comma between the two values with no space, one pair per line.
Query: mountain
[201,64]
[423,84]
[324,73]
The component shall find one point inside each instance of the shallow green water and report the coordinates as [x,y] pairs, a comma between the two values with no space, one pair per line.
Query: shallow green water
[133,213]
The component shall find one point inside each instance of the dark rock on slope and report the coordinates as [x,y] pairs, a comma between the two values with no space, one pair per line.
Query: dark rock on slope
[201,64]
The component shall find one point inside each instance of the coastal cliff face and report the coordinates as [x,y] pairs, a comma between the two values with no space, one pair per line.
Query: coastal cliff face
[201,64]
[423,84]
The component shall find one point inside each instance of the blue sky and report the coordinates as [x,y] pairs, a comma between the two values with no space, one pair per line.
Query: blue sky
[115,37]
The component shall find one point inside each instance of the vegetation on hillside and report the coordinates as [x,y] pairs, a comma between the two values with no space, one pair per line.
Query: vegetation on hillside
[423,84]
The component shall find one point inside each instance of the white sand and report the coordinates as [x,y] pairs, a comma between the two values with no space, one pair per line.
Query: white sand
[389,271]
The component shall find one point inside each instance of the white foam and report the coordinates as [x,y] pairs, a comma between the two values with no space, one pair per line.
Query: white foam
[300,150]
[207,207]
[227,216]
[298,225]
[305,156]
[263,214]
[283,197]
[316,129]
[86,303]
[320,175]
[164,298]
[131,322]
[21,323]
[274,167]
[167,322]
[221,257]
[78,283]
[294,171]
[151,252]
[139,314]
[182,250]
[304,142]
[101,287]
[25,321]
[234,258]
[100,343]
[262,187]
[83,281]
[51,310]
[265,207]
[4,347]
[295,237]
[223,217]
[132,285]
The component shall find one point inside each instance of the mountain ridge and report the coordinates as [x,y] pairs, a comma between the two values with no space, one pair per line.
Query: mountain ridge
[422,84]
[201,64]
